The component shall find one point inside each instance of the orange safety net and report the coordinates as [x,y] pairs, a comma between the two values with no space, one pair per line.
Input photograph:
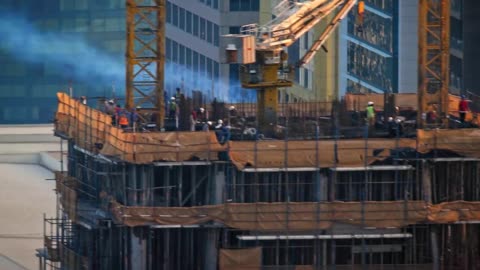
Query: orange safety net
[465,142]
[301,216]
[240,259]
[348,153]
[92,130]
[318,154]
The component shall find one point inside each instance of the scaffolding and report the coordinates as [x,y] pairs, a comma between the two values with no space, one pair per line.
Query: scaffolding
[182,200]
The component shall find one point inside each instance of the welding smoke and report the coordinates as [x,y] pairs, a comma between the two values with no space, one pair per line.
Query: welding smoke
[188,80]
[73,57]
[70,54]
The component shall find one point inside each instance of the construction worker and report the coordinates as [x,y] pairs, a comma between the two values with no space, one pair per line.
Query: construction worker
[370,111]
[110,107]
[462,109]
[134,118]
[123,119]
[207,126]
[173,108]
[118,110]
[178,94]
[219,124]
[201,114]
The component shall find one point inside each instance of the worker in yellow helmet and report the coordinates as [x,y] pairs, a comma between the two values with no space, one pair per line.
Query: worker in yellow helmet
[370,111]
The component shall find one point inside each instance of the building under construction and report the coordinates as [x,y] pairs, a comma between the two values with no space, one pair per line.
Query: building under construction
[182,200]
[326,192]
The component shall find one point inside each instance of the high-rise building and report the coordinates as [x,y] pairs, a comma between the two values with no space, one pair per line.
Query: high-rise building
[464,39]
[47,45]
[193,32]
[380,54]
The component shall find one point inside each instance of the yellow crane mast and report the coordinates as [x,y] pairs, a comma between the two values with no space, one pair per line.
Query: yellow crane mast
[146,57]
[434,56]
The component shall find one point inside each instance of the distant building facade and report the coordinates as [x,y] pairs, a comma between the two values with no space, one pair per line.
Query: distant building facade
[464,41]
[381,54]
[194,29]
[27,89]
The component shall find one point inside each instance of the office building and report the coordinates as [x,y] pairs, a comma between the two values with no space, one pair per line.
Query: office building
[381,54]
[34,70]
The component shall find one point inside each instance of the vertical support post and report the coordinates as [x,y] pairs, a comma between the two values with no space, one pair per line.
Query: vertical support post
[211,249]
[321,185]
[435,255]
[180,184]
[427,182]
[132,185]
[161,19]
[166,258]
[138,249]
[219,184]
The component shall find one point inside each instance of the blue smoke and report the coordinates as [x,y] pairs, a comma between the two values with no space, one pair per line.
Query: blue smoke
[77,60]
[180,76]
[71,54]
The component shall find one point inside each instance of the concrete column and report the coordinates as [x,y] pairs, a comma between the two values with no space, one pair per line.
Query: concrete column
[435,253]
[132,184]
[219,185]
[211,250]
[321,187]
[138,249]
[427,182]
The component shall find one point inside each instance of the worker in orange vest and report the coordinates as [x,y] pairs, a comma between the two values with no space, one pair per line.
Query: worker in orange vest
[123,119]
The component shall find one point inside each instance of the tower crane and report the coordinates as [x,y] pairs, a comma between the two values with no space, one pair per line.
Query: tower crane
[261,50]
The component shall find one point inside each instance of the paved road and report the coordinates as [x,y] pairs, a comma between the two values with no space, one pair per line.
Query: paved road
[24,196]
[8,263]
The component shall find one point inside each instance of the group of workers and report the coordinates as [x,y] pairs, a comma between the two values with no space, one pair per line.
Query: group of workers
[222,129]
[430,117]
[121,116]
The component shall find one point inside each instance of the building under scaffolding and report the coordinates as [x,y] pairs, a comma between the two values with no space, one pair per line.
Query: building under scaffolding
[181,200]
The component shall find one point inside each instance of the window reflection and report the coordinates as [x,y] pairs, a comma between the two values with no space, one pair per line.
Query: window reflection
[385,5]
[375,30]
[370,67]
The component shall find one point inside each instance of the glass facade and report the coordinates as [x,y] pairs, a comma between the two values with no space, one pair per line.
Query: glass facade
[382,5]
[211,3]
[64,42]
[371,47]
[376,30]
[456,46]
[193,24]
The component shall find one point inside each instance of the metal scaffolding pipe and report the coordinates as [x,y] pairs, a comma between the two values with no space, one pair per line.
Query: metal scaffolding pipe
[323,236]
